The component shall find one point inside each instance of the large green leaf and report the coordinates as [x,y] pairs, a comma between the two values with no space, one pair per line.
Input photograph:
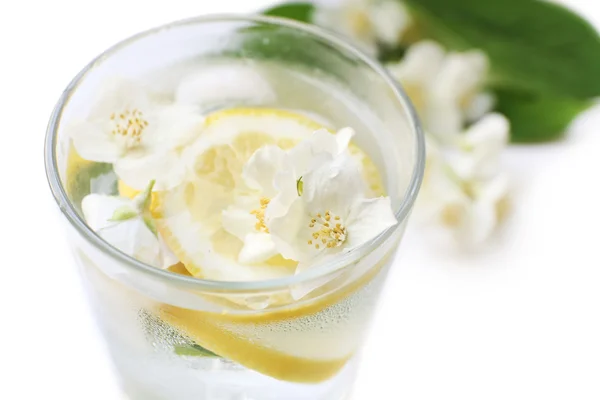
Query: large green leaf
[533,45]
[298,11]
[538,117]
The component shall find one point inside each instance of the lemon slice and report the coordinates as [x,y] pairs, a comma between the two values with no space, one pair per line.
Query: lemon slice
[190,214]
[307,342]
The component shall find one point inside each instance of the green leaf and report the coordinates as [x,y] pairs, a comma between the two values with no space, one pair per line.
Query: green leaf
[538,117]
[193,351]
[302,12]
[78,182]
[390,54]
[533,45]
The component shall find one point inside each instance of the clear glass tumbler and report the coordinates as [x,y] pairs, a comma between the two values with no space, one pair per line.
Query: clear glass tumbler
[173,336]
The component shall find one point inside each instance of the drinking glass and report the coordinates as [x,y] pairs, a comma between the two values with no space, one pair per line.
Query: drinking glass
[173,336]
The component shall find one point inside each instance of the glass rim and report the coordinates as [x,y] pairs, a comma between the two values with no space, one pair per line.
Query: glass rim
[319,270]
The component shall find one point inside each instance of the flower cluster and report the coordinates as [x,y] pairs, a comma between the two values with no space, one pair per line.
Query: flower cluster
[306,203]
[144,137]
[367,22]
[464,190]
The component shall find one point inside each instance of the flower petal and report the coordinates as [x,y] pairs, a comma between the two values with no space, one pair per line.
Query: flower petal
[420,65]
[460,75]
[334,186]
[389,19]
[93,142]
[352,21]
[481,148]
[172,127]
[260,170]
[490,133]
[440,189]
[343,138]
[118,94]
[444,119]
[479,105]
[137,168]
[459,78]
[131,236]
[238,222]
[168,258]
[289,231]
[367,219]
[320,147]
[323,141]
[98,209]
[258,247]
[485,211]
[303,158]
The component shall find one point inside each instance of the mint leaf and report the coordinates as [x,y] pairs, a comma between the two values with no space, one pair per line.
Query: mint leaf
[193,351]
[302,12]
[538,117]
[533,45]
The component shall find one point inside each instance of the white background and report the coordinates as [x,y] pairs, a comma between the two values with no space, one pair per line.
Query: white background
[517,321]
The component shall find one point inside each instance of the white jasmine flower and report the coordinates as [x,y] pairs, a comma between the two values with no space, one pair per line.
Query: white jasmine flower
[453,91]
[217,85]
[463,189]
[477,152]
[272,173]
[366,22]
[127,225]
[418,70]
[330,216]
[471,211]
[444,87]
[246,218]
[141,138]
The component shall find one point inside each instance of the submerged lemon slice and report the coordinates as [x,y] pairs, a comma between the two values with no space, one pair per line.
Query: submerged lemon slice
[190,214]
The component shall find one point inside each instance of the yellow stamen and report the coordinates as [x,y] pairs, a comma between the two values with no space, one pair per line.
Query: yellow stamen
[327,235]
[260,215]
[129,126]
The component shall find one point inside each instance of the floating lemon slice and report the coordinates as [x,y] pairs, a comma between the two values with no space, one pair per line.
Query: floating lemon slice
[190,215]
